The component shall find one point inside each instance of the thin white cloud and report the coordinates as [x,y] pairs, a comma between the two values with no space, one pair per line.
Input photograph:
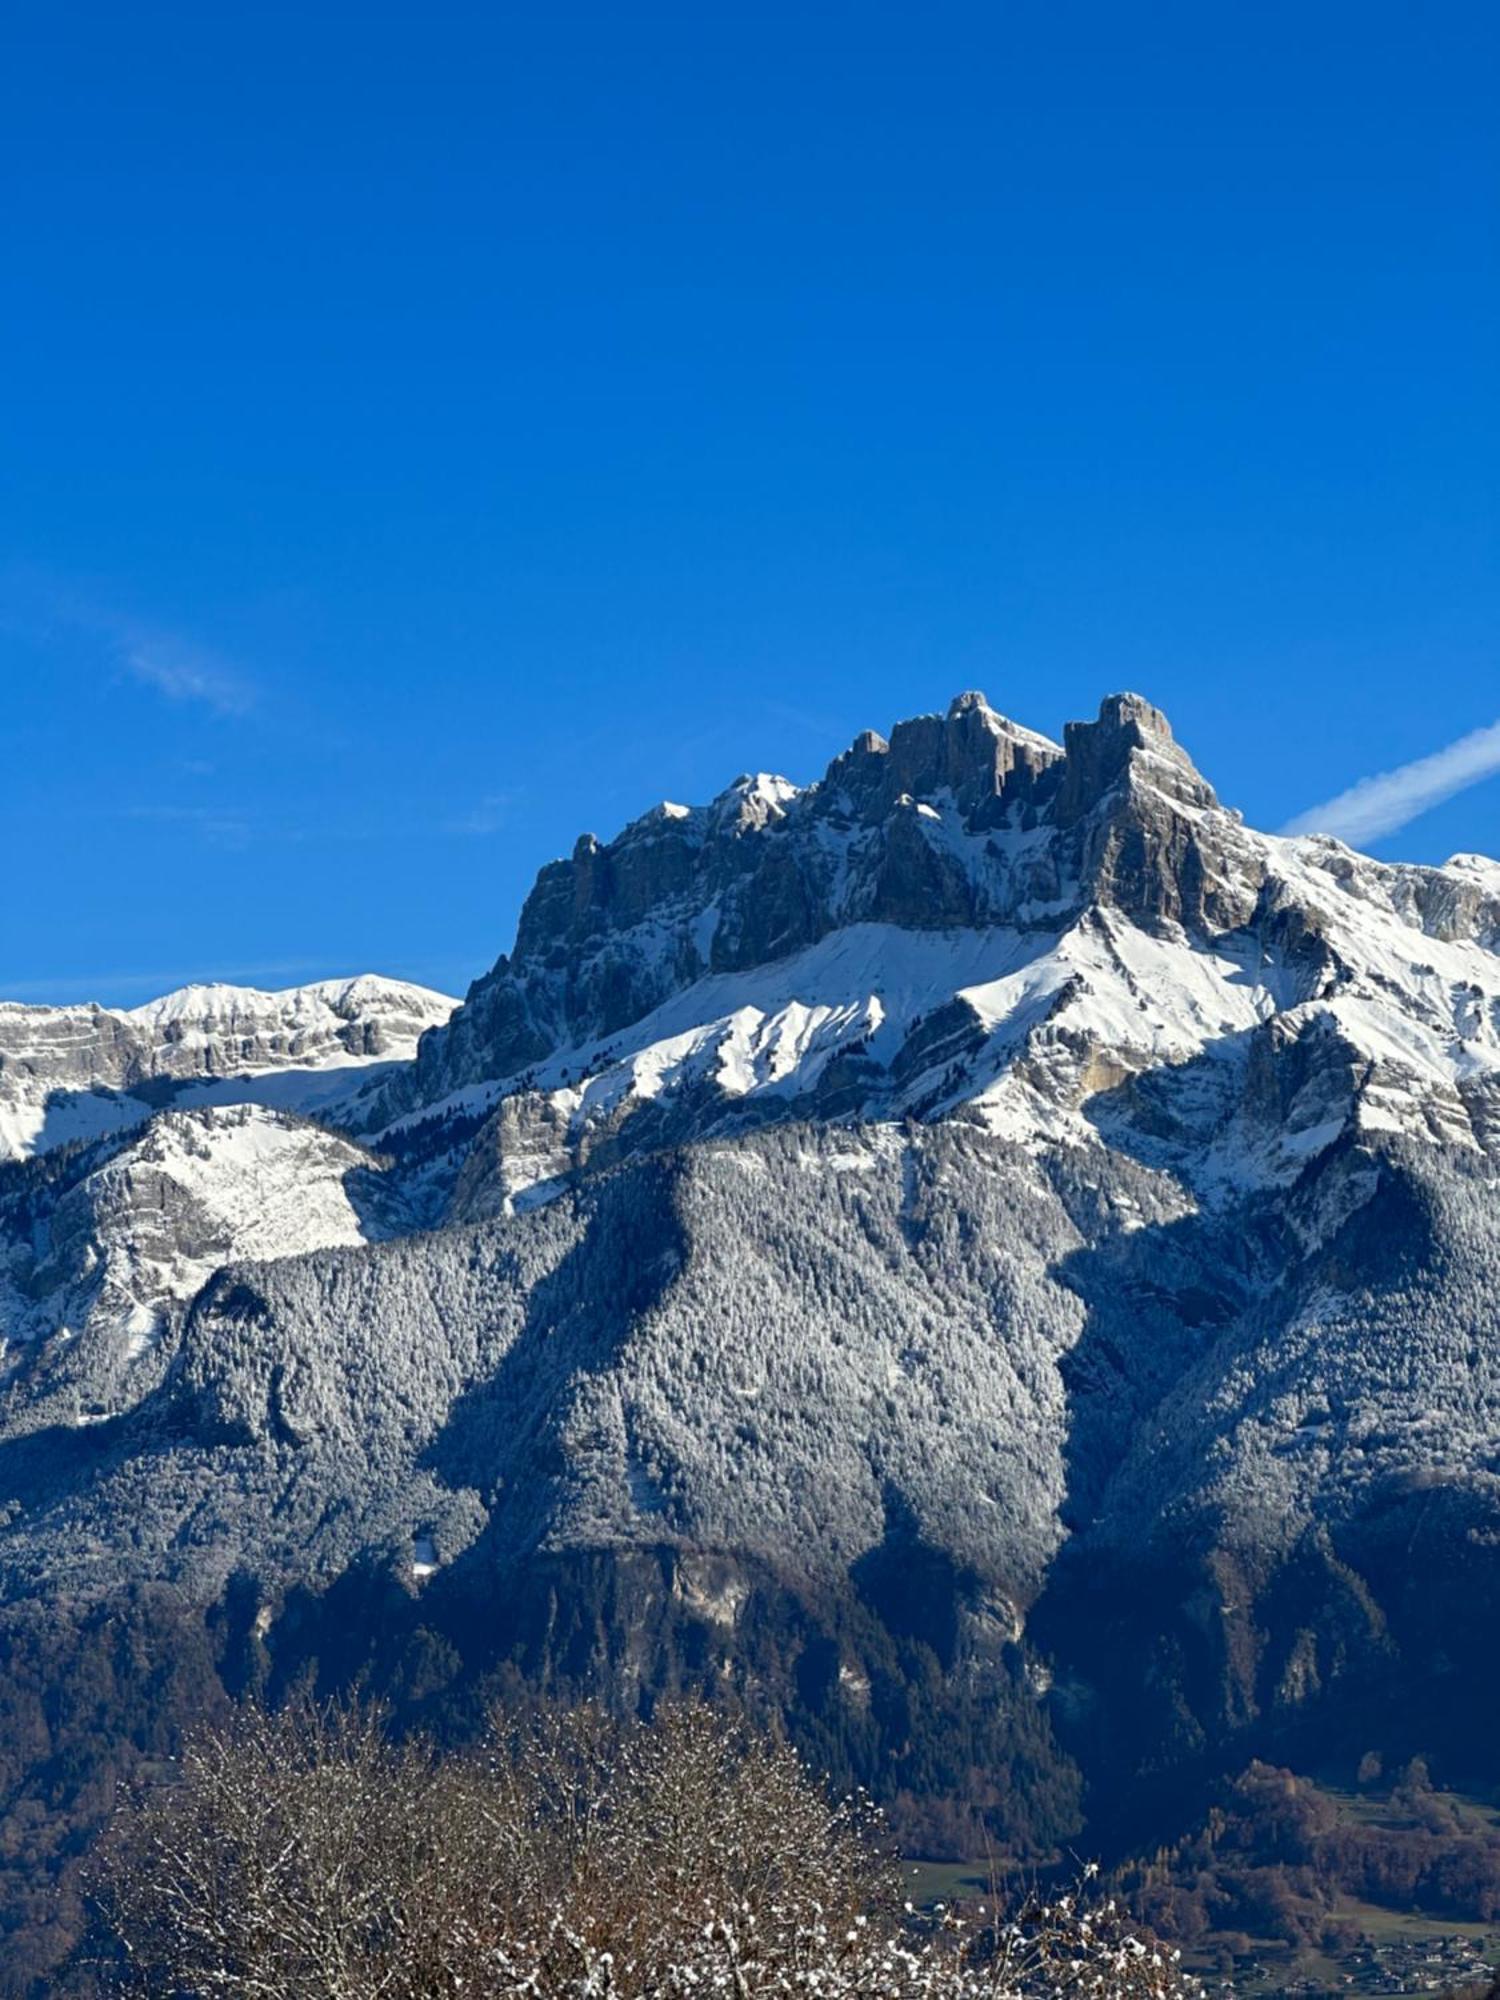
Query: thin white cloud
[180,671]
[39,608]
[227,826]
[1390,800]
[491,813]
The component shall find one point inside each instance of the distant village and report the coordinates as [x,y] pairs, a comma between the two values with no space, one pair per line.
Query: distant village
[1455,1965]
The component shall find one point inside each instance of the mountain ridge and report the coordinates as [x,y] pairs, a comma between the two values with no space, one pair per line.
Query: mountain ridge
[79,1071]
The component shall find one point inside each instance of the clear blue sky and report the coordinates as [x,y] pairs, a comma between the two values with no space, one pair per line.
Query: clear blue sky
[428,432]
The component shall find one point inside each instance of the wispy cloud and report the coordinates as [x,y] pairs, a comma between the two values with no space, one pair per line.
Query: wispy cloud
[489,815]
[1388,801]
[181,671]
[169,662]
[226,826]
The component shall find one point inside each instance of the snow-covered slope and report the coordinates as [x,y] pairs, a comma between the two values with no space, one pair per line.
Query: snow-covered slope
[120,1237]
[69,1073]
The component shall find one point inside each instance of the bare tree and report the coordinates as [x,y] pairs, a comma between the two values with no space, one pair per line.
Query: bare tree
[303,1856]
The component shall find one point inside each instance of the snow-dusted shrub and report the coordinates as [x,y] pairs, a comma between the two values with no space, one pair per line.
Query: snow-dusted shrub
[304,1856]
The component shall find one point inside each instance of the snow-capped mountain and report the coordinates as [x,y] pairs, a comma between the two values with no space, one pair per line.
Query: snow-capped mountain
[986,1252]
[69,1073]
[970,921]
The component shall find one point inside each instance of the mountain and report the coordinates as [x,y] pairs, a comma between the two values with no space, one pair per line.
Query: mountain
[69,1073]
[971,922]
[986,1255]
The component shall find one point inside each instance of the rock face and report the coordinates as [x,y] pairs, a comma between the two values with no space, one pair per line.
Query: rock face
[70,1073]
[988,1253]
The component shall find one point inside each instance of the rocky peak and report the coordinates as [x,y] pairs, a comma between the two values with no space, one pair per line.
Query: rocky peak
[956,821]
[1130,741]
[752,802]
[981,759]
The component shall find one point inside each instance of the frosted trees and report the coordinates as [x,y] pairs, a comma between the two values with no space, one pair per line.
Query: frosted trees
[305,1857]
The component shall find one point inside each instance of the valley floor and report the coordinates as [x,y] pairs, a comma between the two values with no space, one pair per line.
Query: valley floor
[1329,1941]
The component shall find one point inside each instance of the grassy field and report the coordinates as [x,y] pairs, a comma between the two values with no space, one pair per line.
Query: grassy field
[945,1881]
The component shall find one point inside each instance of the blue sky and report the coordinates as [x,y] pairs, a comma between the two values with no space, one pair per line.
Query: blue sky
[428,433]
